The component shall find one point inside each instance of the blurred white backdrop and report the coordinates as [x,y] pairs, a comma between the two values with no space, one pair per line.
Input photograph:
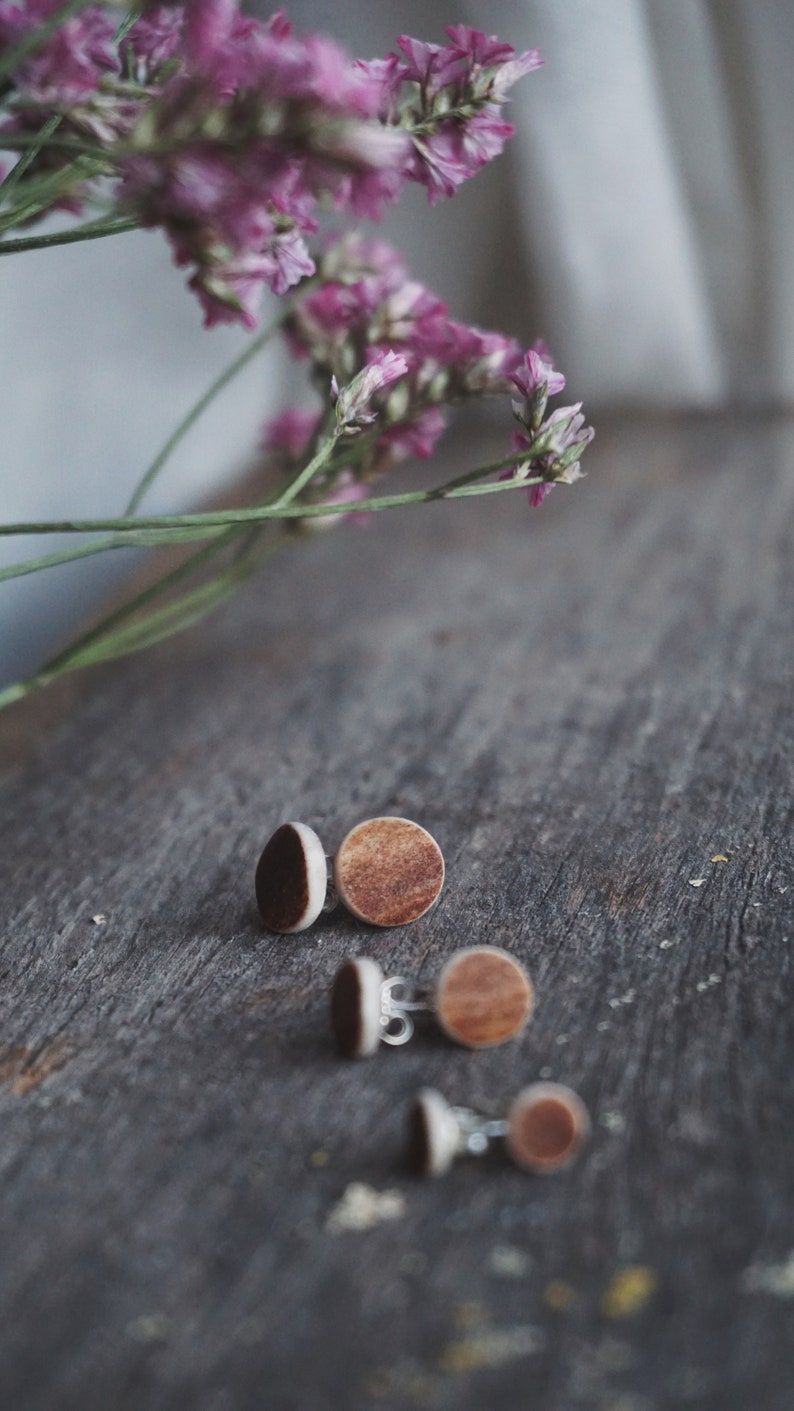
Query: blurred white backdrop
[642,221]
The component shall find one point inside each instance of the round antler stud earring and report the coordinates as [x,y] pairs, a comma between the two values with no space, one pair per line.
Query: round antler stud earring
[291,879]
[544,1129]
[481,997]
[388,871]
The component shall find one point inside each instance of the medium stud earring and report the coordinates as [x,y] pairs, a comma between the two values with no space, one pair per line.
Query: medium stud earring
[481,997]
[545,1127]
[387,871]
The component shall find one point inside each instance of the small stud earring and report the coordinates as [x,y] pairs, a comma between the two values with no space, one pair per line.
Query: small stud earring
[545,1127]
[482,997]
[387,871]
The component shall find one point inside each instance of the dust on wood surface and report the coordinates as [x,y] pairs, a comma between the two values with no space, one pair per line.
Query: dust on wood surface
[589,706]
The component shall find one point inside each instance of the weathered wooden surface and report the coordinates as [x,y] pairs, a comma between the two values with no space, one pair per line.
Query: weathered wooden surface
[584,705]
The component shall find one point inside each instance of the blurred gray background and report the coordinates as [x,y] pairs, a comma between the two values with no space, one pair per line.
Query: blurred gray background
[642,221]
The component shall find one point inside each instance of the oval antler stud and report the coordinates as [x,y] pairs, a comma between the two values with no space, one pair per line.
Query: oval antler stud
[291,879]
[388,871]
[546,1126]
[482,997]
[544,1129]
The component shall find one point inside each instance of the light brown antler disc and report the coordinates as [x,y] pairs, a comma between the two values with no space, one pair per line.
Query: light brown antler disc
[483,997]
[388,871]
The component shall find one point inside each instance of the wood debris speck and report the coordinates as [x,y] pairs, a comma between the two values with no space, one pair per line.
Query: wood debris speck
[613,1121]
[558,1295]
[24,1068]
[489,1349]
[100,919]
[719,857]
[628,1291]
[362,1208]
[149,1327]
[696,881]
[506,1261]
[666,945]
[777,1279]
[618,1000]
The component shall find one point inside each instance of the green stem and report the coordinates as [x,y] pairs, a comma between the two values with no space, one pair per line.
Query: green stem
[260,514]
[216,387]
[93,230]
[148,539]
[131,18]
[104,643]
[57,664]
[8,185]
[302,479]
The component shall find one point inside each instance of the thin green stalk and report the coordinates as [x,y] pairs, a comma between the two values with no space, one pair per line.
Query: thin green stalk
[37,37]
[199,407]
[103,643]
[260,514]
[132,16]
[302,479]
[92,230]
[148,539]
[9,183]
[39,193]
[141,600]
[18,142]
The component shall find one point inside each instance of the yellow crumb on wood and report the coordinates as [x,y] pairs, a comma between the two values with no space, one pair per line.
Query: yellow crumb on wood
[719,857]
[558,1295]
[628,1291]
[489,1349]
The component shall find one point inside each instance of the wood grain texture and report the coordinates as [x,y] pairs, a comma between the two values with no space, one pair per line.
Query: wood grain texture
[585,705]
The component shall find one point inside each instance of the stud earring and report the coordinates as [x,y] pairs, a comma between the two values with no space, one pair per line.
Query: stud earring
[545,1127]
[387,871]
[291,880]
[482,997]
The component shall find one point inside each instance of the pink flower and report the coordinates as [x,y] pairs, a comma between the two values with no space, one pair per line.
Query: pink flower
[354,403]
[154,40]
[415,437]
[432,66]
[537,372]
[72,62]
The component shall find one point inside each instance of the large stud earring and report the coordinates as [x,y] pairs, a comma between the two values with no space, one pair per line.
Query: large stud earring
[544,1128]
[482,997]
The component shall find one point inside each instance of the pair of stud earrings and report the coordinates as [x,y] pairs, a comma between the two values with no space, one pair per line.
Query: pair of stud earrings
[543,1129]
[482,997]
[386,871]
